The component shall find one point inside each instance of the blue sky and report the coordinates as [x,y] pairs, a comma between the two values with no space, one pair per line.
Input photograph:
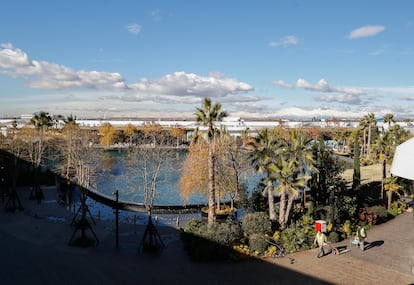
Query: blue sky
[263,59]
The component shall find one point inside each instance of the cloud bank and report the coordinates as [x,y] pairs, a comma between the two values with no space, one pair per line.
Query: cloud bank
[93,93]
[45,75]
[352,96]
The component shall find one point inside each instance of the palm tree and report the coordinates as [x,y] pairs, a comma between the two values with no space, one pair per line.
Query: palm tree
[384,147]
[363,128]
[389,119]
[70,120]
[369,123]
[301,155]
[262,156]
[356,179]
[284,172]
[70,132]
[208,115]
[391,186]
[41,122]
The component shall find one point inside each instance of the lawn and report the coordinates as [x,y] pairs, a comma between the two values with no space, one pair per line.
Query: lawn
[369,173]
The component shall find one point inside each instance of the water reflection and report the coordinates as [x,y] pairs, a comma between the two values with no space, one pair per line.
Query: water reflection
[114,175]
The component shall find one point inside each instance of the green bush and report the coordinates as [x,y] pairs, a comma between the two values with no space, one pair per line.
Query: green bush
[195,227]
[256,223]
[225,233]
[397,207]
[294,239]
[379,212]
[258,243]
[333,237]
[203,244]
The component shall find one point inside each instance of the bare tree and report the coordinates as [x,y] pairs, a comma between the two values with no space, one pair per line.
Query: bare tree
[150,163]
[14,149]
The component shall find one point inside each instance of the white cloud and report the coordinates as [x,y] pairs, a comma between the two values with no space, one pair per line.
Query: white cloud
[11,57]
[133,28]
[184,84]
[45,75]
[320,86]
[346,98]
[283,84]
[285,41]
[365,31]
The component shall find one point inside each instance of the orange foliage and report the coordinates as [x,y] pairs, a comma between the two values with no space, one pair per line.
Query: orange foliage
[194,178]
[151,129]
[108,133]
[177,132]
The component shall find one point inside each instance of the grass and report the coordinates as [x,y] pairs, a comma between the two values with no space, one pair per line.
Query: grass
[369,173]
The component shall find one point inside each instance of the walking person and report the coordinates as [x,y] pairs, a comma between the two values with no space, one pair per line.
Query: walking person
[320,240]
[362,237]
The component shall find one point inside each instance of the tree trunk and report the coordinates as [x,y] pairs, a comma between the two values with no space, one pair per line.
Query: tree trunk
[211,186]
[291,198]
[384,175]
[271,200]
[282,210]
[369,142]
[389,195]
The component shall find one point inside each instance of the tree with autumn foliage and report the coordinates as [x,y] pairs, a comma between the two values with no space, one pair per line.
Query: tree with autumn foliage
[152,132]
[178,133]
[194,178]
[130,131]
[108,134]
[230,168]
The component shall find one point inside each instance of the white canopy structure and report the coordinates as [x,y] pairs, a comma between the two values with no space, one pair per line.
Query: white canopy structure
[403,162]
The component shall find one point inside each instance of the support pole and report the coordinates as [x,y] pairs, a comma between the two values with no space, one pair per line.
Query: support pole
[116,219]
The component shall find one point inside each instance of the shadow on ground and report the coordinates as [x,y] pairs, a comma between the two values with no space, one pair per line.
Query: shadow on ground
[373,244]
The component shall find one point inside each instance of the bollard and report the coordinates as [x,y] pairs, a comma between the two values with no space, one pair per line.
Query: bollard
[156,220]
[177,222]
[135,219]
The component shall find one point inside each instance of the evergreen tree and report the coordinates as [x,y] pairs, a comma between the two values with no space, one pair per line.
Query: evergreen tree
[356,179]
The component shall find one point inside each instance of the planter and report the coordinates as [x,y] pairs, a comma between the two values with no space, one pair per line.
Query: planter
[220,216]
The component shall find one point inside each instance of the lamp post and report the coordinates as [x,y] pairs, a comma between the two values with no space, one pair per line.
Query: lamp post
[116,193]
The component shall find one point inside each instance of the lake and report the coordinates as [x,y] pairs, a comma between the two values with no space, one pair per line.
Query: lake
[114,175]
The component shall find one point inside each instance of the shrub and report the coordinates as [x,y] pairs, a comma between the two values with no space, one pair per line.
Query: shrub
[379,214]
[256,223]
[294,239]
[347,229]
[226,233]
[397,207]
[258,243]
[333,237]
[203,244]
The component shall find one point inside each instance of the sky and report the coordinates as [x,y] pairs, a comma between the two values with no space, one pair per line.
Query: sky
[265,59]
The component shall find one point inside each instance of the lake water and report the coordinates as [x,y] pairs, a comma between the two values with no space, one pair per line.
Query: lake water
[115,175]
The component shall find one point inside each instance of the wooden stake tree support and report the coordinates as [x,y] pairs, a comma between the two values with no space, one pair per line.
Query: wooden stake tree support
[151,240]
[83,225]
[13,204]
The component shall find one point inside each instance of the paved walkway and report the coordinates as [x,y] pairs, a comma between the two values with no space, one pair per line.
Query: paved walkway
[389,259]
[33,250]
